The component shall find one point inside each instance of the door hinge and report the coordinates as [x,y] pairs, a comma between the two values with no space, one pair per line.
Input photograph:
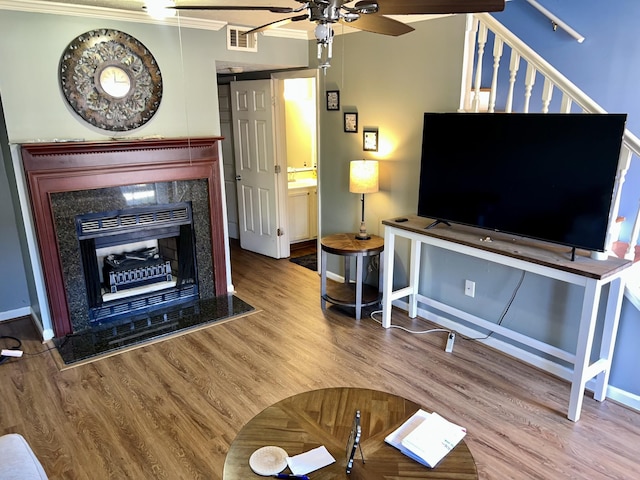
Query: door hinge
[278,168]
[280,232]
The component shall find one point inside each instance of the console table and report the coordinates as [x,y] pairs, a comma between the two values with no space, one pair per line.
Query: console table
[348,246]
[324,417]
[541,258]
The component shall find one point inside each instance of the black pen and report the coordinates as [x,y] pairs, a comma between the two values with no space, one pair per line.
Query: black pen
[291,475]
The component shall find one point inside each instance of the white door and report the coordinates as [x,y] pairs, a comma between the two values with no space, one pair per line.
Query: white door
[228,162]
[256,177]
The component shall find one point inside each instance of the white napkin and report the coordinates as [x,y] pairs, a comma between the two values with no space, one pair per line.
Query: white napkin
[309,461]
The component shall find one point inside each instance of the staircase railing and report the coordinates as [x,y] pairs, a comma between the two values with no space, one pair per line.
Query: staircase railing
[482,30]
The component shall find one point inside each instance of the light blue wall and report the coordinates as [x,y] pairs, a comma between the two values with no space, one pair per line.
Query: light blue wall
[390,82]
[626,359]
[14,293]
[36,110]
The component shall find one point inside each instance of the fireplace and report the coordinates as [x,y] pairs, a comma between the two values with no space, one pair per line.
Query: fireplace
[127,229]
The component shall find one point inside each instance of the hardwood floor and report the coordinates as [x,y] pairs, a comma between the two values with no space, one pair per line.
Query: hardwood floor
[171,409]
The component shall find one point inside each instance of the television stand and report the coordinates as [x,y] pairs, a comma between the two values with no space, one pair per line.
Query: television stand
[540,258]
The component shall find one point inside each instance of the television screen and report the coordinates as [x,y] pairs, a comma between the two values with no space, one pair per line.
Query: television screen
[545,176]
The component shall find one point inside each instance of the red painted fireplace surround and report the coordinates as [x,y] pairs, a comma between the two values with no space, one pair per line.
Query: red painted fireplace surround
[76,166]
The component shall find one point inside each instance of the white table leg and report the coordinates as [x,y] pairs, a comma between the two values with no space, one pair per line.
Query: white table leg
[583,349]
[609,333]
[380,271]
[323,279]
[414,277]
[387,286]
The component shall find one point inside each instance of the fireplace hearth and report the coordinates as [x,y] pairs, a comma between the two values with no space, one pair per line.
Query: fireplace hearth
[135,330]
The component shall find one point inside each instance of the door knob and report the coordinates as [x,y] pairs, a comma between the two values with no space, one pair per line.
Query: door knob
[238,178]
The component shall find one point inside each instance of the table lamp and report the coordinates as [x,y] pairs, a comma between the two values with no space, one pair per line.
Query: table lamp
[363,178]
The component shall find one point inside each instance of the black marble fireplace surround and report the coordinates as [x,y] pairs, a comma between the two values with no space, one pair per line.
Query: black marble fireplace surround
[68,205]
[69,180]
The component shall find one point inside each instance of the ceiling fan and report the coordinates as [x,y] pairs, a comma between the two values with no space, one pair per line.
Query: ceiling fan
[367,15]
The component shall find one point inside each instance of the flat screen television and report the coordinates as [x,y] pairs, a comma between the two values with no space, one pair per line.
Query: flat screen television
[545,176]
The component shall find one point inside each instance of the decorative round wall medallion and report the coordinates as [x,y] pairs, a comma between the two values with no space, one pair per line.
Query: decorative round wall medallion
[111,80]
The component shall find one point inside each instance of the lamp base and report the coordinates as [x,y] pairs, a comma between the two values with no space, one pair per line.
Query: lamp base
[362,234]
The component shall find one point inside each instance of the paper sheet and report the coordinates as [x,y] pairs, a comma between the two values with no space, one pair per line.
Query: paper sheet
[427,438]
[309,461]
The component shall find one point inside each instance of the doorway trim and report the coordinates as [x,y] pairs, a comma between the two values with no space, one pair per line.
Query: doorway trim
[280,145]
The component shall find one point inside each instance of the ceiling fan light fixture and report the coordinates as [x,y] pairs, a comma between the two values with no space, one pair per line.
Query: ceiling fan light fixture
[323,32]
[160,9]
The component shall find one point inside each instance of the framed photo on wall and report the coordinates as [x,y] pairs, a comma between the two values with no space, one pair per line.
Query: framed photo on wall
[333,100]
[351,122]
[370,139]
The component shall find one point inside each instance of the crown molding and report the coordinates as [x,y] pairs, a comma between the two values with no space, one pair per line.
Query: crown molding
[52,8]
[89,11]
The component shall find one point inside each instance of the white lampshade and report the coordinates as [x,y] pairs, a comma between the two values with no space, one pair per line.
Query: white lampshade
[363,176]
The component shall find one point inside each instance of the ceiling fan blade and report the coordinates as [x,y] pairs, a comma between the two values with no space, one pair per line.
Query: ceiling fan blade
[277,23]
[425,7]
[230,7]
[379,24]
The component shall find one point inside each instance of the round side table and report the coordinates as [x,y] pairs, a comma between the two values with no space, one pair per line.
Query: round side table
[351,294]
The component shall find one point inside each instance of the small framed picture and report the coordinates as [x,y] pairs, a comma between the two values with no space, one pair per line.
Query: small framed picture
[333,100]
[370,139]
[351,122]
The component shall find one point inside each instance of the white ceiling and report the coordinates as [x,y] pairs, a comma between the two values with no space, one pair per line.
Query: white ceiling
[132,10]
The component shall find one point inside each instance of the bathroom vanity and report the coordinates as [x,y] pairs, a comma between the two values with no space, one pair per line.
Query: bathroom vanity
[302,209]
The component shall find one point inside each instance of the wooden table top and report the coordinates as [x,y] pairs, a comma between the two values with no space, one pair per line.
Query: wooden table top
[348,244]
[514,246]
[324,417]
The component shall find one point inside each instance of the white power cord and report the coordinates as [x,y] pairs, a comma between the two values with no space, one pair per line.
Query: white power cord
[450,337]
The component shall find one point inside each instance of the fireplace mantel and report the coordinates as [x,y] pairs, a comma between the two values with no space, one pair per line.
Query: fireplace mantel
[52,168]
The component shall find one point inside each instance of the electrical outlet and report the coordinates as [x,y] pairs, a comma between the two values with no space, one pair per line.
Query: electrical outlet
[470,288]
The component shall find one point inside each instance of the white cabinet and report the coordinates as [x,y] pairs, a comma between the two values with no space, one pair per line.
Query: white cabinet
[313,212]
[302,210]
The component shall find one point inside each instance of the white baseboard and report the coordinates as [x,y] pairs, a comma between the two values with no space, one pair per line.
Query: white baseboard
[623,397]
[18,312]
[46,333]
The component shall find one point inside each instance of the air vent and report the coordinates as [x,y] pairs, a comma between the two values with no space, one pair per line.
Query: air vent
[237,40]
[93,225]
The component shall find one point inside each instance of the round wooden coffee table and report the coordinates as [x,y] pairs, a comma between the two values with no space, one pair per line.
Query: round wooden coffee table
[324,417]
